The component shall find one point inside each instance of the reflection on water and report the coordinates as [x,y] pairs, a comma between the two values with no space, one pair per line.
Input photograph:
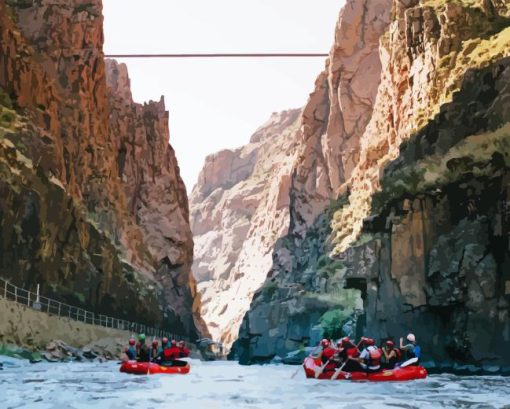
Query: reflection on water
[228,385]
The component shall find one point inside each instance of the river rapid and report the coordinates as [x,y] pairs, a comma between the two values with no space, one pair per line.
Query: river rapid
[226,385]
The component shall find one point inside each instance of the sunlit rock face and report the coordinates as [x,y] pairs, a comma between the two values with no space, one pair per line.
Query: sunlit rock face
[93,207]
[407,192]
[304,284]
[239,209]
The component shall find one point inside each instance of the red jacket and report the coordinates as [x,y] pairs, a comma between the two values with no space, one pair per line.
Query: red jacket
[183,352]
[327,354]
[172,353]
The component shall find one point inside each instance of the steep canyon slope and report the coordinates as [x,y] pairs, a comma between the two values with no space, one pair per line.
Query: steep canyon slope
[92,205]
[401,192]
[239,208]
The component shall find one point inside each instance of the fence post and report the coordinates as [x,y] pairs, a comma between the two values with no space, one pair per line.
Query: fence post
[48,309]
[59,305]
[15,294]
[5,289]
[28,298]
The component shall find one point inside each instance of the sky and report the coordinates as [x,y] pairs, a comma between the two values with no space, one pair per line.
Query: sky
[218,104]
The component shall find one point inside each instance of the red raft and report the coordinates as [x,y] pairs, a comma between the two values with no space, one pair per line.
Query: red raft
[151,368]
[409,373]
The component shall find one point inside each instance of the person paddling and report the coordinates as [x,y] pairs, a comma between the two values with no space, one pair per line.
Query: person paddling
[370,357]
[142,351]
[326,355]
[154,351]
[183,351]
[131,350]
[390,356]
[411,350]
[348,352]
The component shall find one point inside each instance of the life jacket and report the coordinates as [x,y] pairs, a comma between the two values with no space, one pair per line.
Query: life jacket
[352,352]
[183,352]
[415,353]
[131,353]
[374,356]
[171,353]
[142,352]
[327,355]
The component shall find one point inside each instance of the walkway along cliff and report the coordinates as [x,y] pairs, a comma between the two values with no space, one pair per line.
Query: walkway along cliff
[400,190]
[92,206]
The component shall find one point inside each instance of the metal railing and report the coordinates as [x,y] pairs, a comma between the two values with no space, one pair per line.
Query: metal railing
[53,307]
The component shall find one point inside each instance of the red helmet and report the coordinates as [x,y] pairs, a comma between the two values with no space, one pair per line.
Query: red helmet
[345,340]
[132,341]
[154,343]
[369,341]
[164,340]
[174,342]
[390,343]
[325,343]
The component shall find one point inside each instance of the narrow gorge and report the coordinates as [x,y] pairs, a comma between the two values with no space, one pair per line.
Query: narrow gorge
[92,206]
[387,211]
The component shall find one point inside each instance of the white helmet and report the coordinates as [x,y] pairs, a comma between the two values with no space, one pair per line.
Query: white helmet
[411,338]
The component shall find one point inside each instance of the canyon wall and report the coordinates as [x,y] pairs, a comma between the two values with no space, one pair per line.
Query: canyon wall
[239,209]
[406,204]
[92,205]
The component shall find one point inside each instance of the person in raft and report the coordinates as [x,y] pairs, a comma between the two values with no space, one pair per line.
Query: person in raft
[131,350]
[347,354]
[411,351]
[142,351]
[170,354]
[370,357]
[154,350]
[183,351]
[327,356]
[390,355]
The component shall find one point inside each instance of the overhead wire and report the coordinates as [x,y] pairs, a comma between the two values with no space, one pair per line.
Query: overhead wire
[220,55]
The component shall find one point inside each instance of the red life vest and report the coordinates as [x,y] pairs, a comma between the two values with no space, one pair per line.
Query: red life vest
[352,352]
[374,356]
[183,352]
[169,354]
[327,354]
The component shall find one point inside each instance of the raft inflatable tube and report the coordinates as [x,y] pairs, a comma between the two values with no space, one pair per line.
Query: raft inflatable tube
[409,373]
[151,368]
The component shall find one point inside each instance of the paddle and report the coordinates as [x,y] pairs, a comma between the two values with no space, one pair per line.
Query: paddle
[310,355]
[337,372]
[335,375]
[409,362]
[321,370]
[149,353]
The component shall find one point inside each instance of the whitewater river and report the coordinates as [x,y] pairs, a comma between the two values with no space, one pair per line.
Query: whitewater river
[228,385]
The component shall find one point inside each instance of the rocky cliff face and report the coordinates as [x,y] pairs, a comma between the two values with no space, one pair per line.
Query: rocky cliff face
[239,208]
[420,222]
[93,207]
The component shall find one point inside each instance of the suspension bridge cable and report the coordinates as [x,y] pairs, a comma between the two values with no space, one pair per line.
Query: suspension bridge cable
[220,55]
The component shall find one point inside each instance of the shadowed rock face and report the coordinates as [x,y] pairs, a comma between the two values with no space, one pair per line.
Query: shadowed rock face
[93,208]
[420,225]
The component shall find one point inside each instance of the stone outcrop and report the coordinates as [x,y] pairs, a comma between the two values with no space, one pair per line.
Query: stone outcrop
[419,225]
[305,286]
[93,207]
[239,209]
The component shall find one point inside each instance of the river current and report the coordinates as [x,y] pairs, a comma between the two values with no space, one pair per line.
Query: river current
[224,385]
